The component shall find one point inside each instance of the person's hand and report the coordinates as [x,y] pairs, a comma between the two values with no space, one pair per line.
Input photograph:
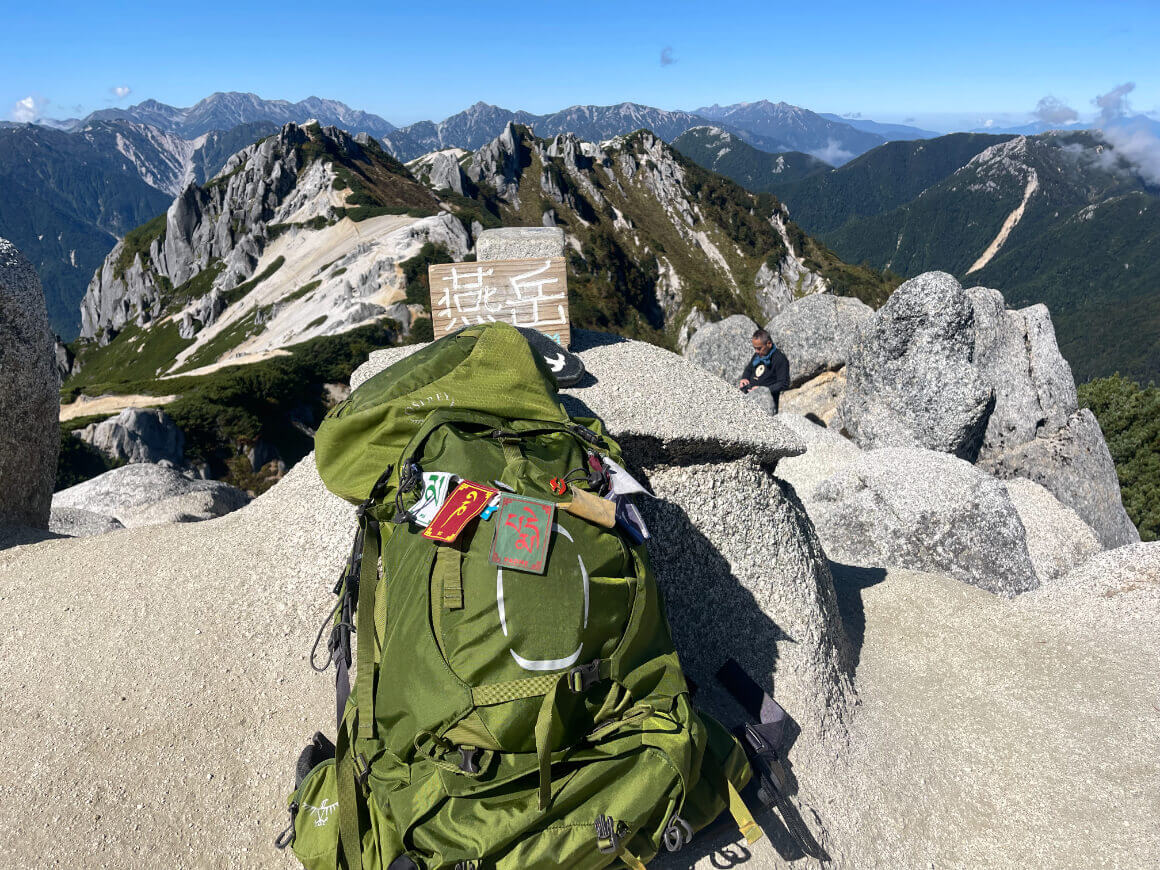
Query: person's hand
[744,383]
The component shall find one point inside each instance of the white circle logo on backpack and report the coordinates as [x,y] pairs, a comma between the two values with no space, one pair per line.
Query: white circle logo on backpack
[539,665]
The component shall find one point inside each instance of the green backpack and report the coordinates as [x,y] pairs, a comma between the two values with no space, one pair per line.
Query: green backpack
[499,718]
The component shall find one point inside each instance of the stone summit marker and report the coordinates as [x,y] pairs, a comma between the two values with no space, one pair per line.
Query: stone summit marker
[525,292]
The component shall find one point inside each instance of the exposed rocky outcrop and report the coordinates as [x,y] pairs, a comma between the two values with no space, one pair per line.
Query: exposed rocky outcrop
[723,348]
[143,494]
[440,170]
[1119,588]
[519,243]
[1075,465]
[826,453]
[1057,539]
[789,278]
[269,254]
[29,395]
[1016,355]
[816,332]
[911,379]
[820,397]
[137,435]
[925,510]
[79,523]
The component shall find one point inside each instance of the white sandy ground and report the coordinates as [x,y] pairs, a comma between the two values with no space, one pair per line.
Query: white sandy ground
[155,693]
[85,406]
[1009,224]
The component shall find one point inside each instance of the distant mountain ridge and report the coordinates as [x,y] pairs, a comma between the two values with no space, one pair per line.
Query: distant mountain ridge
[799,129]
[224,111]
[728,154]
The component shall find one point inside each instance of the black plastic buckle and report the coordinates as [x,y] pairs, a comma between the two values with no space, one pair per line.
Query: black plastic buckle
[467,762]
[581,677]
[607,835]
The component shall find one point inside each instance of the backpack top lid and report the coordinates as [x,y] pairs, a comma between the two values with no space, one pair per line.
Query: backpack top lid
[488,368]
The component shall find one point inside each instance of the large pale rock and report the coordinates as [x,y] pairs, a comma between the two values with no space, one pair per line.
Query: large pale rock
[1016,355]
[1075,465]
[77,523]
[910,379]
[519,243]
[1057,539]
[925,510]
[123,492]
[744,577]
[723,348]
[815,333]
[138,435]
[827,452]
[820,396]
[1119,588]
[29,395]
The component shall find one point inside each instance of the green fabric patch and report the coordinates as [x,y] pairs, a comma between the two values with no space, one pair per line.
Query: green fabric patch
[523,530]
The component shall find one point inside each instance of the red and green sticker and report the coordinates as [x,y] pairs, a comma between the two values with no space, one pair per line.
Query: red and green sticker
[461,507]
[523,530]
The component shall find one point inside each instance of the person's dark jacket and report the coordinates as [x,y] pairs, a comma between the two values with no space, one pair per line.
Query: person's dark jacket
[774,369]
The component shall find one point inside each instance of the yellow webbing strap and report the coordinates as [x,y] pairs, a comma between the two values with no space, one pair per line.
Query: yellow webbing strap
[511,451]
[499,693]
[448,576]
[630,859]
[740,812]
[364,690]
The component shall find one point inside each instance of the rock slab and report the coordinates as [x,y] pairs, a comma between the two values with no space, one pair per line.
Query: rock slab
[1057,539]
[924,510]
[519,243]
[723,348]
[815,333]
[1074,464]
[29,395]
[143,493]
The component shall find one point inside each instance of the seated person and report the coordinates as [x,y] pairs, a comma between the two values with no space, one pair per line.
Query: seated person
[768,368]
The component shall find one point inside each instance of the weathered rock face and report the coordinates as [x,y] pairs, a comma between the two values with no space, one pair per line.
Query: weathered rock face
[78,523]
[519,243]
[821,396]
[1075,466]
[500,163]
[723,348]
[1016,355]
[29,395]
[924,510]
[911,380]
[815,333]
[791,279]
[826,453]
[128,493]
[764,598]
[1119,588]
[1057,539]
[137,435]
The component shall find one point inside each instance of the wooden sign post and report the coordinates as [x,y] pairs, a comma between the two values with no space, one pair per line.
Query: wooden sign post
[532,293]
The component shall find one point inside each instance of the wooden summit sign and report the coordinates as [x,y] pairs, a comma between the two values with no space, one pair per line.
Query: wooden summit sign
[532,293]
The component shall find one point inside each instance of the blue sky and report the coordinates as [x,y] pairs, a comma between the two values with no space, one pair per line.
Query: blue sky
[930,62]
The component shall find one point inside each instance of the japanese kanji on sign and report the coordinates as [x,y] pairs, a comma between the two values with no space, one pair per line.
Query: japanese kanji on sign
[532,293]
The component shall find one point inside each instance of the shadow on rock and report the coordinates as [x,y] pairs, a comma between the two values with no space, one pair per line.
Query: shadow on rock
[849,581]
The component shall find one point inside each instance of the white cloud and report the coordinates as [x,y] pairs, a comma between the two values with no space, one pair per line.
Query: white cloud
[121,91]
[27,110]
[833,153]
[1052,110]
[990,122]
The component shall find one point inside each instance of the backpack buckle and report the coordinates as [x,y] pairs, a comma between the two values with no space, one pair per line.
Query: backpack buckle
[609,833]
[467,762]
[582,677]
